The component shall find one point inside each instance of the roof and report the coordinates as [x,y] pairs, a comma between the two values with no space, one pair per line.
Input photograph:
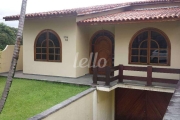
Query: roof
[166,13]
[88,10]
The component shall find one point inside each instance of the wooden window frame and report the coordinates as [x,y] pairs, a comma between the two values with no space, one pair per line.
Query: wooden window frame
[47,47]
[149,47]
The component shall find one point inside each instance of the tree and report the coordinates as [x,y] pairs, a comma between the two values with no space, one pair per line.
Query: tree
[15,56]
[7,35]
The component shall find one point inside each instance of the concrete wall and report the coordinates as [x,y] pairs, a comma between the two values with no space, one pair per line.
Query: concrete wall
[105,105]
[6,57]
[88,105]
[81,109]
[63,27]
[124,33]
[82,51]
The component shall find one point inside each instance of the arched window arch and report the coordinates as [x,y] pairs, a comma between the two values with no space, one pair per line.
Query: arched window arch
[47,47]
[150,46]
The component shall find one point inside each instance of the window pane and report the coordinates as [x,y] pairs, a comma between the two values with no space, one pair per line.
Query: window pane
[57,51]
[51,50]
[134,59]
[143,44]
[41,38]
[135,52]
[143,52]
[51,44]
[44,43]
[154,44]
[57,57]
[38,56]
[38,50]
[159,39]
[51,57]
[143,59]
[139,39]
[154,53]
[163,60]
[44,57]
[54,39]
[44,50]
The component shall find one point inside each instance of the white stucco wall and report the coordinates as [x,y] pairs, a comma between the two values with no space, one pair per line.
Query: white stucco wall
[82,109]
[6,57]
[124,33]
[63,27]
[97,105]
[105,105]
[82,51]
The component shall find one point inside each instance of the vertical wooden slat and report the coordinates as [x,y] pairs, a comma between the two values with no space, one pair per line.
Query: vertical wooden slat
[120,73]
[108,72]
[95,71]
[149,75]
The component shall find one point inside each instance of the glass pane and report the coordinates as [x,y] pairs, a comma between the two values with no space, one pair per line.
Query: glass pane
[44,57]
[143,44]
[54,39]
[43,50]
[51,50]
[143,52]
[154,53]
[159,39]
[154,60]
[163,60]
[139,39]
[134,59]
[154,44]
[57,57]
[154,56]
[51,57]
[51,44]
[38,56]
[38,50]
[143,59]
[44,43]
[57,51]
[135,52]
[41,38]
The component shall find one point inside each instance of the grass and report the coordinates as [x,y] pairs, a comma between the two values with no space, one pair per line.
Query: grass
[29,97]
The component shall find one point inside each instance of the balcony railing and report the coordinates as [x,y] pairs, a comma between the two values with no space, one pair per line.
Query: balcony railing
[120,77]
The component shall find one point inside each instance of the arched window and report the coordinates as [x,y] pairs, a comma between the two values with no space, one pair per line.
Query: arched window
[151,47]
[48,47]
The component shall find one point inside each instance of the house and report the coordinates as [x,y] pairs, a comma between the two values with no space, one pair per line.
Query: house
[144,33]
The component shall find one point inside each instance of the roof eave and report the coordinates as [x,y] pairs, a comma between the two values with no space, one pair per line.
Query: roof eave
[11,18]
[128,21]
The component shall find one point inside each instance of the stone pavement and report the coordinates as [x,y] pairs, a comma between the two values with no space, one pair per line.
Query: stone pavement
[84,80]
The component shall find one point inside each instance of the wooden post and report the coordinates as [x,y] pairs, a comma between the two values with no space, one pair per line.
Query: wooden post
[149,75]
[120,74]
[108,72]
[95,71]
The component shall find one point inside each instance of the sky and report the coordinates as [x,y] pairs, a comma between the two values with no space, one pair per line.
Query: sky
[12,7]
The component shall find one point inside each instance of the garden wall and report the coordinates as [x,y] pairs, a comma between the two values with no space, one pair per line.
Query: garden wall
[88,105]
[6,57]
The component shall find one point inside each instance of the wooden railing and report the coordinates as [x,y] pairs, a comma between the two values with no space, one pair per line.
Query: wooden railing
[120,77]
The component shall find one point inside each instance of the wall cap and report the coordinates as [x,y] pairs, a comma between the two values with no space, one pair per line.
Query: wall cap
[61,105]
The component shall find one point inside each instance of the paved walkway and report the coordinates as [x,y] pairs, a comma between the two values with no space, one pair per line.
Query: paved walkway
[84,80]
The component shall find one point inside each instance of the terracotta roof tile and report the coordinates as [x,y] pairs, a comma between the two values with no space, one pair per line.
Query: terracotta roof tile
[138,15]
[88,10]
